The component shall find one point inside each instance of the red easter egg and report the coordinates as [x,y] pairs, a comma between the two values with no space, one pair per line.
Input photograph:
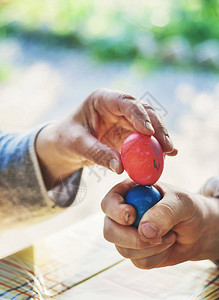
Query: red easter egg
[142,158]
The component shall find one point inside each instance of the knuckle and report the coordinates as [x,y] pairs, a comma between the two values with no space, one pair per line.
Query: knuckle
[131,106]
[133,110]
[124,252]
[103,204]
[107,231]
[187,203]
[149,107]
[93,95]
[137,110]
[100,154]
[105,234]
[159,116]
[123,96]
[142,263]
[161,127]
[154,114]
[147,264]
[159,123]
[96,96]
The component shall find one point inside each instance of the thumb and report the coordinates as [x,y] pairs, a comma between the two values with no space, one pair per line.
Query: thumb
[173,208]
[93,150]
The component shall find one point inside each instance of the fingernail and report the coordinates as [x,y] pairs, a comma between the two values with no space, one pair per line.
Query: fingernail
[149,230]
[114,165]
[149,126]
[127,215]
[157,241]
[168,140]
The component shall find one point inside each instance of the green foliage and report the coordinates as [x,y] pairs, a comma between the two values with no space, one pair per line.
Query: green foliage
[110,30]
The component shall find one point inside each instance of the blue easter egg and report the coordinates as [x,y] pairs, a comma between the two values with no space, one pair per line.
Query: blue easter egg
[142,197]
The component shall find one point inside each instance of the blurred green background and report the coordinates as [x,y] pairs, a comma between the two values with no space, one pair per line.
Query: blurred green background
[150,34]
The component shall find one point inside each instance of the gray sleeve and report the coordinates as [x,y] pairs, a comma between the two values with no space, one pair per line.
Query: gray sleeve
[23,196]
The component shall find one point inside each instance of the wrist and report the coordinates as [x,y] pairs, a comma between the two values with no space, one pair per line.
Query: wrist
[45,154]
[53,163]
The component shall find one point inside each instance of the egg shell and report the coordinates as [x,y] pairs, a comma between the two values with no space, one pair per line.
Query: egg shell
[142,158]
[142,198]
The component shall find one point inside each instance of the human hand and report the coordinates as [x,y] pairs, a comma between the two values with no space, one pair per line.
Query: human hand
[180,227]
[94,134]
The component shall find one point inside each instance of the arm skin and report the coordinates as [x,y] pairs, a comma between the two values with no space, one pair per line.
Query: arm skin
[181,227]
[89,135]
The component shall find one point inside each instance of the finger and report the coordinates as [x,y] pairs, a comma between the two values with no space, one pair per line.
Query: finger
[114,206]
[151,262]
[93,150]
[123,236]
[121,104]
[167,242]
[134,111]
[173,153]
[173,208]
[161,132]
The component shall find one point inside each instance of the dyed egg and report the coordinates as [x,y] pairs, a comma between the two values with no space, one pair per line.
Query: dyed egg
[142,198]
[142,158]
